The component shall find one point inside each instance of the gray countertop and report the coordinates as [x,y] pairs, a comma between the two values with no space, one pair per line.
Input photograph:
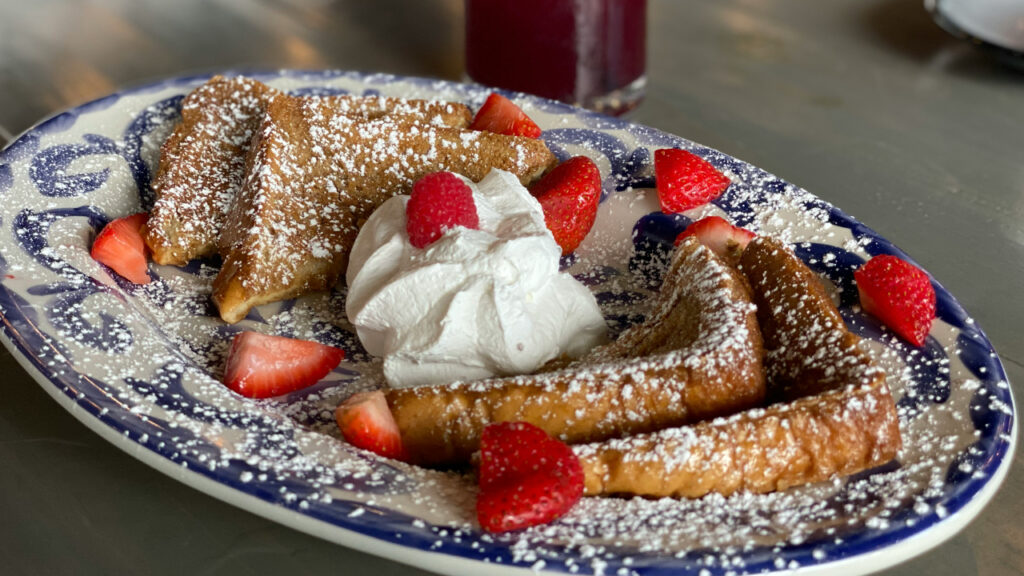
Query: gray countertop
[867,104]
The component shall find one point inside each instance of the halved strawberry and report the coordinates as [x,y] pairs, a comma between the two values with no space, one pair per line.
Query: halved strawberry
[366,422]
[509,450]
[261,366]
[899,294]
[569,195]
[685,180]
[501,115]
[724,239]
[526,477]
[120,246]
[438,202]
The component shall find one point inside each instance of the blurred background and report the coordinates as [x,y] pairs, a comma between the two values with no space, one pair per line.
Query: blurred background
[866,103]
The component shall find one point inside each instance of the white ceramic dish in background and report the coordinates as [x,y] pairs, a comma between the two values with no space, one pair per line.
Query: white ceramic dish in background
[140,365]
[996,23]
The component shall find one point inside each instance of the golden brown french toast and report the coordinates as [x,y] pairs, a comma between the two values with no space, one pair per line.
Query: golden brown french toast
[202,163]
[835,414]
[674,406]
[314,173]
[698,356]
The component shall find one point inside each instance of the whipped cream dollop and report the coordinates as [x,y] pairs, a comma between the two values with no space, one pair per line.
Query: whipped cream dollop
[474,303]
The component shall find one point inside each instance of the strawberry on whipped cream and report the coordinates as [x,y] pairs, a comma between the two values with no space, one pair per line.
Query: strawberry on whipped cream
[474,303]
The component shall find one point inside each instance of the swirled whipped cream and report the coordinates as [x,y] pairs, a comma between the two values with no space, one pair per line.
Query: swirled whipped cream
[473,304]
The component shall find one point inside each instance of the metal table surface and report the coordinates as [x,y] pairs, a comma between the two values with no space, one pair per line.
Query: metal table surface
[865,103]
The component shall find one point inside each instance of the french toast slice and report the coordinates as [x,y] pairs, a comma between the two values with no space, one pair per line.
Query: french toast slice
[202,163]
[315,173]
[698,356]
[833,414]
[673,407]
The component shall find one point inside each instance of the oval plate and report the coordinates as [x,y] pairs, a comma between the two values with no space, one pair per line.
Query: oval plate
[140,365]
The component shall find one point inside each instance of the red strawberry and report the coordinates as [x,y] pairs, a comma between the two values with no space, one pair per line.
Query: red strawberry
[686,180]
[438,202]
[569,195]
[261,366]
[366,422]
[510,450]
[120,246]
[724,239]
[899,294]
[501,115]
[527,478]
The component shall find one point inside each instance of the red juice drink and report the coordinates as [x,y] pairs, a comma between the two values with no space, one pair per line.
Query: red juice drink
[585,52]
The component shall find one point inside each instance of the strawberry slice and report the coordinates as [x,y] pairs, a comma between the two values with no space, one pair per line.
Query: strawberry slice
[366,422]
[438,202]
[120,246]
[526,477]
[509,450]
[685,180]
[501,115]
[569,196]
[261,366]
[724,239]
[899,294]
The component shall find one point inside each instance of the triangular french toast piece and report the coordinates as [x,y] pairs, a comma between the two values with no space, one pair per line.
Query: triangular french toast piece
[835,414]
[202,163]
[698,356]
[314,174]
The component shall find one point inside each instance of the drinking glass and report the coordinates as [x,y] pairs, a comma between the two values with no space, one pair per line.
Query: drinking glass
[590,53]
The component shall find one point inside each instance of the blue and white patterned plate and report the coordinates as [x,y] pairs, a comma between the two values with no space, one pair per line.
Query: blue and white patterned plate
[140,364]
